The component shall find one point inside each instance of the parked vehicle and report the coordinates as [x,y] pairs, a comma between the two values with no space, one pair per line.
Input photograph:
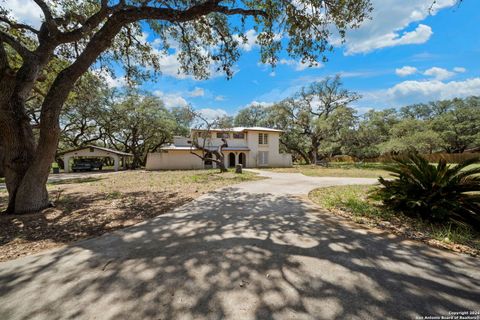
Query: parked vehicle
[87,165]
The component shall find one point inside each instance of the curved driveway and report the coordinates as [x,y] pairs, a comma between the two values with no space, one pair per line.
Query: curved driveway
[251,251]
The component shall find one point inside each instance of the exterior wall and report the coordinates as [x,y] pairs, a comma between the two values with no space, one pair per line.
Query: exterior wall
[275,158]
[214,141]
[173,160]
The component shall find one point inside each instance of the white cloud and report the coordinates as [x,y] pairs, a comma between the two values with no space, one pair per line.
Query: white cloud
[272,74]
[439,73]
[24,11]
[412,91]
[435,89]
[112,82]
[299,65]
[170,64]
[220,98]
[406,71]
[257,103]
[212,114]
[390,24]
[251,38]
[459,69]
[420,35]
[197,92]
[171,100]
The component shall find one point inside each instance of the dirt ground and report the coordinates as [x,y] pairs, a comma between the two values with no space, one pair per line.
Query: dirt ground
[92,205]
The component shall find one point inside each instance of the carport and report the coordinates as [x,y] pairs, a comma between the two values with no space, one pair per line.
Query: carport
[96,152]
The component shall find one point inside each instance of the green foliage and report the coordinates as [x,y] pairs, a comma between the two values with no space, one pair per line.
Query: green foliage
[411,135]
[433,192]
[317,119]
[352,199]
[254,115]
[137,123]
[458,124]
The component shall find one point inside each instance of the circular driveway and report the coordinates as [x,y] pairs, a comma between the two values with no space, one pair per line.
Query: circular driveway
[251,251]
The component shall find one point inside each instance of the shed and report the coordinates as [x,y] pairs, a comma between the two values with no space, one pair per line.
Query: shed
[96,152]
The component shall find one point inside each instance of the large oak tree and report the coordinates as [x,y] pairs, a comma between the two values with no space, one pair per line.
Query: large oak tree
[88,32]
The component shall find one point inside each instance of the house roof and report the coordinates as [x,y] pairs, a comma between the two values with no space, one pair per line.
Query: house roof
[240,129]
[99,148]
[186,148]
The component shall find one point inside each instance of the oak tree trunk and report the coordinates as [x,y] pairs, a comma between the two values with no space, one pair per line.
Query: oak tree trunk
[26,166]
[25,173]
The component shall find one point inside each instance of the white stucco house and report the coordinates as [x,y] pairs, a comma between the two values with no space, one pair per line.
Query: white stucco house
[252,147]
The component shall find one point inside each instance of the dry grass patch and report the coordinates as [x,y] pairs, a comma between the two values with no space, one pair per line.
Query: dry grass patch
[354,203]
[89,207]
[367,170]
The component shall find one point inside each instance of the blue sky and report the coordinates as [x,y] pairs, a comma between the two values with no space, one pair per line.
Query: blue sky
[405,54]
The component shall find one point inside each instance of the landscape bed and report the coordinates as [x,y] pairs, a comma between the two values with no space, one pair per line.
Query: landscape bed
[354,203]
[88,207]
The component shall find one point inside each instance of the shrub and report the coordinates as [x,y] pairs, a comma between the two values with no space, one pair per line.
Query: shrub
[433,192]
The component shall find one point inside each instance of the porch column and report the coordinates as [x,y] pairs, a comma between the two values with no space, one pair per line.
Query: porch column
[66,166]
[115,162]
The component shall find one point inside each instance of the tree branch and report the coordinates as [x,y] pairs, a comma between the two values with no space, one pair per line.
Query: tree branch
[45,9]
[14,25]
[16,45]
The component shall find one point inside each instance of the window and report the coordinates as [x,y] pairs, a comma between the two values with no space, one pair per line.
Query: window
[263,138]
[224,135]
[92,149]
[239,135]
[263,158]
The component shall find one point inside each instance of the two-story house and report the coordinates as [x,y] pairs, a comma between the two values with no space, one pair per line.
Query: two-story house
[252,147]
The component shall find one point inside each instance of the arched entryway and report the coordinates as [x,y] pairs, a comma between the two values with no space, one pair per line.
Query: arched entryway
[231,160]
[242,159]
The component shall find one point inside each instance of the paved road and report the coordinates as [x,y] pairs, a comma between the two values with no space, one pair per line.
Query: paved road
[244,252]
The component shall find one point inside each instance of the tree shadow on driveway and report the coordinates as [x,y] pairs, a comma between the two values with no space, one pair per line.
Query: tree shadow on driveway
[238,255]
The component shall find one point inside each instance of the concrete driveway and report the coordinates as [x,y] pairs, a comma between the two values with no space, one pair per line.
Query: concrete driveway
[251,251]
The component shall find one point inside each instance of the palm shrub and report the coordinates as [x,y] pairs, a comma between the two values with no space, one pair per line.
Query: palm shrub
[439,192]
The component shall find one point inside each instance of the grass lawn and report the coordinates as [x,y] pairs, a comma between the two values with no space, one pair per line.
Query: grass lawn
[338,169]
[344,169]
[353,202]
[89,207]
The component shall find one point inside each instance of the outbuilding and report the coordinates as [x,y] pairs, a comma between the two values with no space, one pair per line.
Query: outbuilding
[119,158]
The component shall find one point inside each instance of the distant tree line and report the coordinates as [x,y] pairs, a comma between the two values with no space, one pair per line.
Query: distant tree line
[319,122]
[130,120]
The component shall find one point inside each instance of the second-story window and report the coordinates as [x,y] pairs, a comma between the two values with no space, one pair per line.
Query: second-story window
[239,135]
[263,138]
[224,135]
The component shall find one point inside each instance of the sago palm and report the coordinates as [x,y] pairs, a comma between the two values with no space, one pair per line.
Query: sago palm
[434,192]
